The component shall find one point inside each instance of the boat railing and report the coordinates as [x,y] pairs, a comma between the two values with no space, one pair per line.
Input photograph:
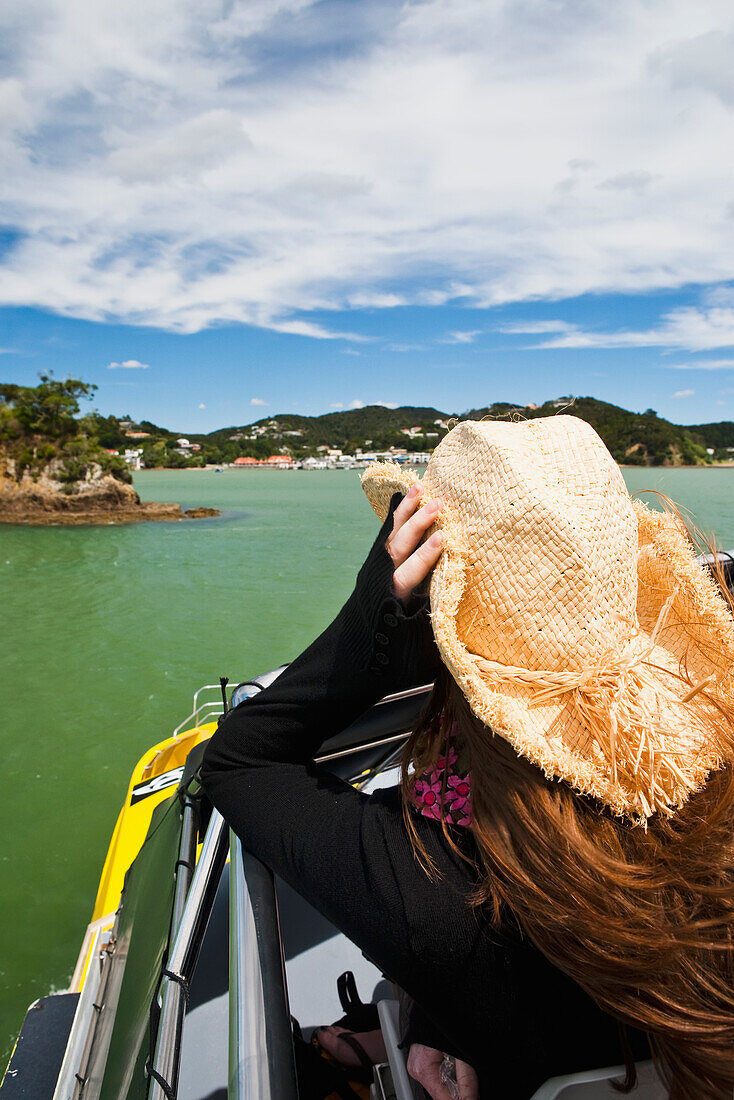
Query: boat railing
[207,709]
[195,911]
[261,1058]
[203,710]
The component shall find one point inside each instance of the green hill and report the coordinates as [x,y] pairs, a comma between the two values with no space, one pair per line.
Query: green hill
[643,439]
[634,438]
[719,435]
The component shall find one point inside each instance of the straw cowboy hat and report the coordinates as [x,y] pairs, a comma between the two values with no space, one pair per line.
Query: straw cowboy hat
[576,621]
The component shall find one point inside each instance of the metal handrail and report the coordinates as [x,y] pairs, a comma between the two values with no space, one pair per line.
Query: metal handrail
[182,958]
[214,705]
[211,709]
[261,1059]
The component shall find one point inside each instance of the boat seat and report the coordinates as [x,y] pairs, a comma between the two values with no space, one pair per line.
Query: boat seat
[596,1084]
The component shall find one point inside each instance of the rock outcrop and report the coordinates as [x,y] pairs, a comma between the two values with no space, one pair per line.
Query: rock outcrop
[45,498]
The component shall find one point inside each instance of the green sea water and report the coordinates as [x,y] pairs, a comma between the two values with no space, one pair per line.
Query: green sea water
[107,631]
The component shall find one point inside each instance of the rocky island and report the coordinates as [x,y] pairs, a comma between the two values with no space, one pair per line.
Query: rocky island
[53,469]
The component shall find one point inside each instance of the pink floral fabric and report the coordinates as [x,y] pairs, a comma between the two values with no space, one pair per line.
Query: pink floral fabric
[444,794]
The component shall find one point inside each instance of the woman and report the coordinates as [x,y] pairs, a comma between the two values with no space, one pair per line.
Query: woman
[583,666]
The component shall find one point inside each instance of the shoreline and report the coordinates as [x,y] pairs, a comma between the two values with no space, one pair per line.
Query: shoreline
[145,512]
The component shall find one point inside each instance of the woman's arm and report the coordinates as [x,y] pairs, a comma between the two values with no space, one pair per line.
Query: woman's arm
[316,831]
[380,642]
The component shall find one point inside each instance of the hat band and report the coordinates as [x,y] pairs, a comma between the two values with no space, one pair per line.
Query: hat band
[606,673]
[622,703]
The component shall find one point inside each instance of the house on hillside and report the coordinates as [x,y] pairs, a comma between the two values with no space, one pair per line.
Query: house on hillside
[183,447]
[134,458]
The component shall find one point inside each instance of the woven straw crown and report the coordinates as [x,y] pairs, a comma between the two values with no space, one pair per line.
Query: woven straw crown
[576,622]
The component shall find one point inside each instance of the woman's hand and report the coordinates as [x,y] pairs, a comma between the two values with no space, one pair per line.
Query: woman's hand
[424,1066]
[413,559]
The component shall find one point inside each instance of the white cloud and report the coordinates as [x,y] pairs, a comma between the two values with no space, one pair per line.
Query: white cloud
[387,404]
[703,364]
[214,135]
[228,167]
[683,393]
[307,328]
[375,300]
[462,337]
[628,181]
[202,405]
[128,364]
[532,327]
[336,405]
[689,328]
[356,404]
[257,401]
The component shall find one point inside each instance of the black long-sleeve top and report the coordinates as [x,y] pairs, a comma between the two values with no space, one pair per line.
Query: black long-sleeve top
[488,997]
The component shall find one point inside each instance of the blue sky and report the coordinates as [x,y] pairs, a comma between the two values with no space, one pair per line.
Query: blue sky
[221,210]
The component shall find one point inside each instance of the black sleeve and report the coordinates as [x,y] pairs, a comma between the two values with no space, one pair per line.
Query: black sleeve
[317,832]
[417,1027]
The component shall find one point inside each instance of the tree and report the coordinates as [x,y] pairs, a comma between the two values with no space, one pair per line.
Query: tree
[49,408]
[39,426]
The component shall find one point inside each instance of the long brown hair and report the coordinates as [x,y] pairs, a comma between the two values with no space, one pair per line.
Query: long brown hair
[642,919]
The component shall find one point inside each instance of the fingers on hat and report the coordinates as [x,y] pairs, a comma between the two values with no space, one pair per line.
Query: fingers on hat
[412,521]
[382,480]
[407,506]
[416,568]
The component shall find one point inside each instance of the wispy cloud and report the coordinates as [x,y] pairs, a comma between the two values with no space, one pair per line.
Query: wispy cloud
[308,328]
[467,337]
[336,405]
[356,403]
[703,364]
[258,401]
[128,364]
[536,327]
[225,166]
[628,181]
[690,329]
[683,393]
[202,405]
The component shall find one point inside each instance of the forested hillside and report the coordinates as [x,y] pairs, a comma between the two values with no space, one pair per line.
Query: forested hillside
[634,438]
